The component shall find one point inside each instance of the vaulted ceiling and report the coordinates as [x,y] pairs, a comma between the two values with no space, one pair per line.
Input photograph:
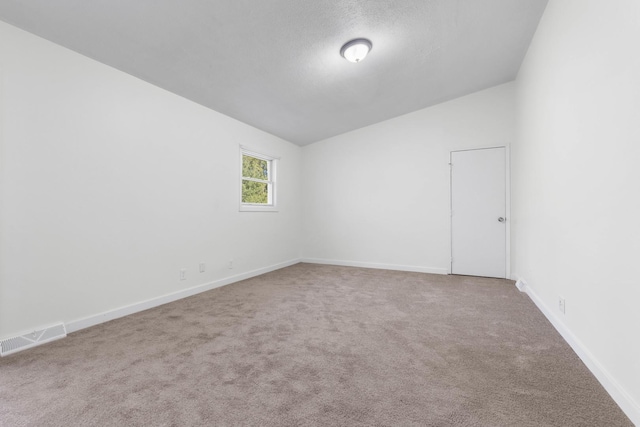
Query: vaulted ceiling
[276,64]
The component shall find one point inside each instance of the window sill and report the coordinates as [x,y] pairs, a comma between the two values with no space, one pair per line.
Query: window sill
[258,208]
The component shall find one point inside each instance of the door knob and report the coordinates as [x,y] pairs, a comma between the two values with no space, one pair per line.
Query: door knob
[501,219]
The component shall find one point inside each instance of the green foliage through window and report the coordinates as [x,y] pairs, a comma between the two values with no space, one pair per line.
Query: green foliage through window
[254,192]
[256,183]
[255,168]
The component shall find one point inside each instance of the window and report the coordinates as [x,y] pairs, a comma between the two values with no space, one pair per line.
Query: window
[258,181]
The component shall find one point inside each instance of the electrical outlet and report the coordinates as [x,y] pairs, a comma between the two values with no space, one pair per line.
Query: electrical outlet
[202,267]
[561,305]
[231,265]
[183,274]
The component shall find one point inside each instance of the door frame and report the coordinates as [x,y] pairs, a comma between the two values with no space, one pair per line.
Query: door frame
[507,181]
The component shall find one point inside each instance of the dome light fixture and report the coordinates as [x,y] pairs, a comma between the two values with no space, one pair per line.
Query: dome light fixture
[356,49]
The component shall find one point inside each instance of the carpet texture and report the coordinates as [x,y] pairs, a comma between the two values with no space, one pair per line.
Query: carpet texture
[314,345]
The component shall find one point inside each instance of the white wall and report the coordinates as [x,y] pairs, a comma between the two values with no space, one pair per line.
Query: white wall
[379,196]
[576,182]
[110,185]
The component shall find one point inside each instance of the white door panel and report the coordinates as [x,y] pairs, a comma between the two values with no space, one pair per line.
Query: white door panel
[478,211]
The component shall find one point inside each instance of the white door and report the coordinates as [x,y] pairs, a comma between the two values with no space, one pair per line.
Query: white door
[478,212]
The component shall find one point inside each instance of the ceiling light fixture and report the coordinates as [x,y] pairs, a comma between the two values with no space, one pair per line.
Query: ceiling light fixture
[356,49]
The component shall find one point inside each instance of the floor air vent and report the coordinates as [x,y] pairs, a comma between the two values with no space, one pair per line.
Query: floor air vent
[23,342]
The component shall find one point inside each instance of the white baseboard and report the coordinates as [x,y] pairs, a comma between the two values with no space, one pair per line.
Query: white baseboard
[628,405]
[86,322]
[432,270]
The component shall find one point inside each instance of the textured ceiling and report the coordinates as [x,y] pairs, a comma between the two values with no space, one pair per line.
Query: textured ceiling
[276,64]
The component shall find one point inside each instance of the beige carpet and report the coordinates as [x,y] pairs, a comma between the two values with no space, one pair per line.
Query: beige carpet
[315,345]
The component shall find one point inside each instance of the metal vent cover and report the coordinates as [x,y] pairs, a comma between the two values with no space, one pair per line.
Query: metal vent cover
[37,337]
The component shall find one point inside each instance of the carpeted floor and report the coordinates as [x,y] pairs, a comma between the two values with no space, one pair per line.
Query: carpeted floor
[315,345]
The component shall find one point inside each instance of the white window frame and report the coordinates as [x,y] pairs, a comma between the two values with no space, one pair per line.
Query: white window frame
[272,164]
